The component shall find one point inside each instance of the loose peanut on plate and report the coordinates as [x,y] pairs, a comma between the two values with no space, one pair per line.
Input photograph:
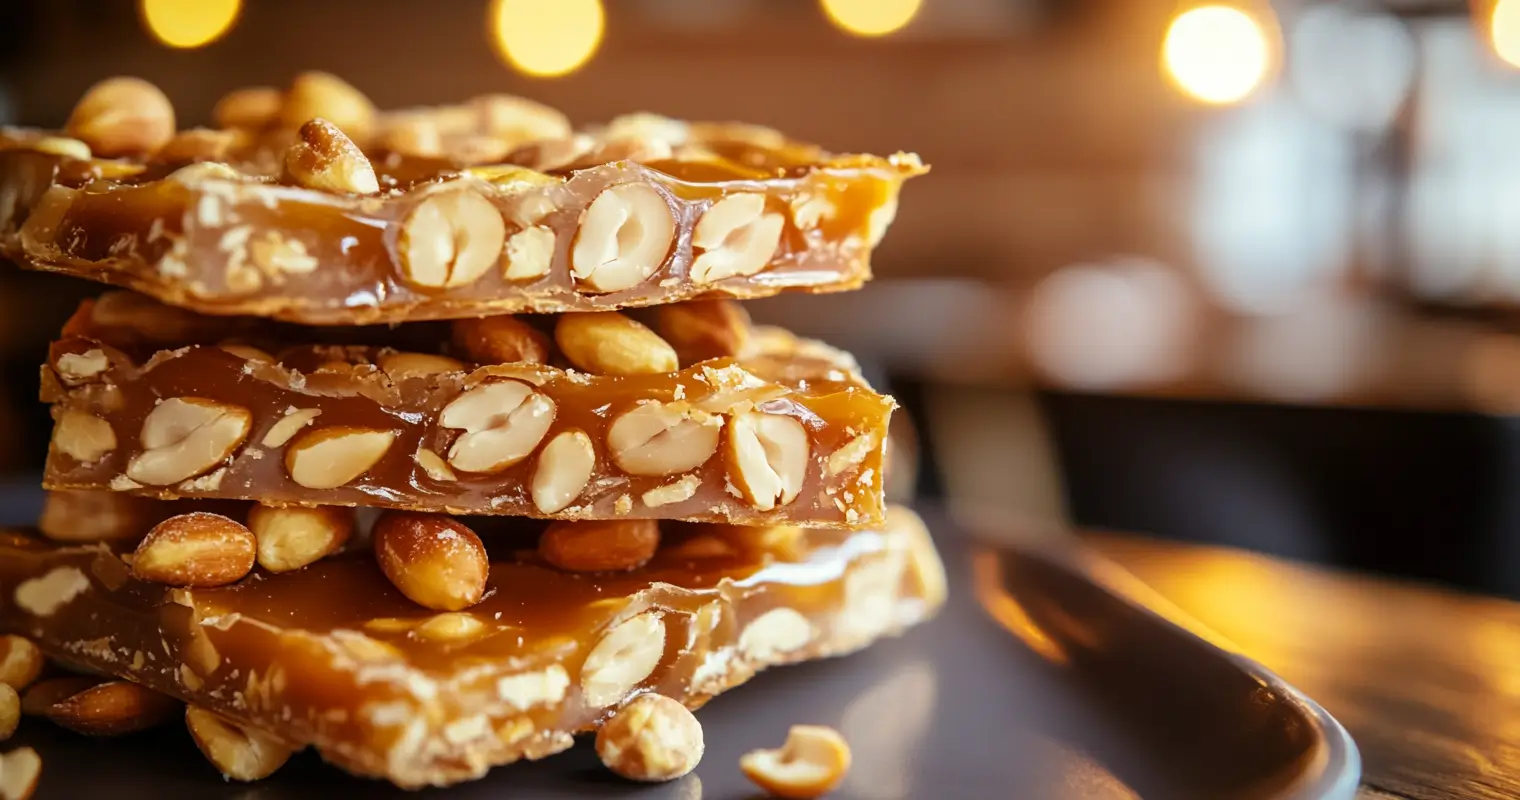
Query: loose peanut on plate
[609,343]
[122,116]
[434,560]
[291,537]
[599,545]
[651,738]
[112,708]
[239,753]
[324,158]
[500,339]
[703,329]
[624,237]
[813,761]
[19,770]
[195,549]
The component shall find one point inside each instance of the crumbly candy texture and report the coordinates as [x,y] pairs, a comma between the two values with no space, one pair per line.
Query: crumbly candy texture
[335,658]
[491,206]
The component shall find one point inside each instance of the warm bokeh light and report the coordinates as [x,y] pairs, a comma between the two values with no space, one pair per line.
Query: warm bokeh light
[871,17]
[1504,30]
[1217,54]
[546,39]
[189,23]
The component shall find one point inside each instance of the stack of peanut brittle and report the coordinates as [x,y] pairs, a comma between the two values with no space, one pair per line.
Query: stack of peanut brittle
[432,438]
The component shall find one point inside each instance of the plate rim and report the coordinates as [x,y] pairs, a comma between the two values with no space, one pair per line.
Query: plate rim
[1334,770]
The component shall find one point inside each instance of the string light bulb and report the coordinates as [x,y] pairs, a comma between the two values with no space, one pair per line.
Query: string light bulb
[871,17]
[186,24]
[1218,54]
[546,38]
[1504,31]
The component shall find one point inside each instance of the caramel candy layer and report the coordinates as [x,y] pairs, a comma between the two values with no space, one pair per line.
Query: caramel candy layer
[791,437]
[332,656]
[648,217]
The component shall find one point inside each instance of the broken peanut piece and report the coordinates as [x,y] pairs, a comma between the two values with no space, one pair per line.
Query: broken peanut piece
[811,764]
[651,738]
[19,771]
[20,662]
[10,711]
[336,657]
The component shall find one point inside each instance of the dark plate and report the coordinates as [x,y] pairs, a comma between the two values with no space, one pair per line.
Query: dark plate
[1068,688]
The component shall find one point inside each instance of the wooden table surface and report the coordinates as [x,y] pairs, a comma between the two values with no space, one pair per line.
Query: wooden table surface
[1426,680]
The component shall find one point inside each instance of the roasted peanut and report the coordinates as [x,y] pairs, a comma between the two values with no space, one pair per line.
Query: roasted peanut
[291,537]
[326,458]
[811,763]
[122,116]
[318,94]
[599,545]
[622,659]
[323,158]
[450,239]
[502,339]
[609,343]
[503,421]
[651,738]
[195,549]
[183,437]
[563,470]
[625,235]
[434,560]
[767,457]
[112,709]
[703,329]
[19,771]
[663,438]
[239,753]
[254,107]
[20,662]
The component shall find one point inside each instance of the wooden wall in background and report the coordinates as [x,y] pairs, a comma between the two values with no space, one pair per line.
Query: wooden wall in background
[1051,142]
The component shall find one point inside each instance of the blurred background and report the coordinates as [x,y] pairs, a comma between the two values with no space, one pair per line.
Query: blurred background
[1232,272]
